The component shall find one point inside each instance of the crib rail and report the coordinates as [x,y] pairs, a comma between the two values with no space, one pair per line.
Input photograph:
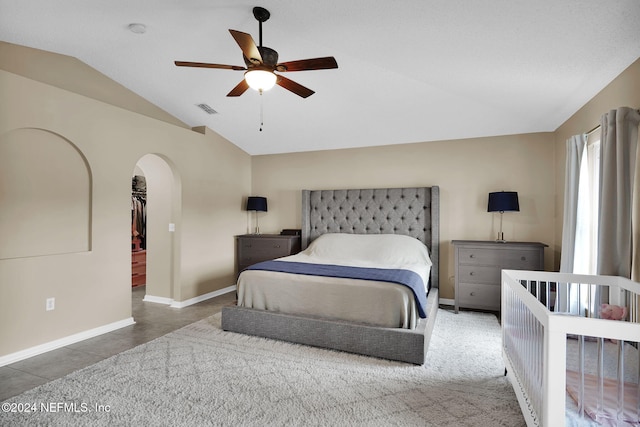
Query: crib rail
[539,311]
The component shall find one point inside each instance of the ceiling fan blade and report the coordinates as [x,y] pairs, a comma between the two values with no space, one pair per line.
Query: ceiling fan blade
[207,65]
[325,63]
[239,89]
[294,87]
[248,46]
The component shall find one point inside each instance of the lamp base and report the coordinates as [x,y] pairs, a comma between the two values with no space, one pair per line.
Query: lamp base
[257,225]
[500,238]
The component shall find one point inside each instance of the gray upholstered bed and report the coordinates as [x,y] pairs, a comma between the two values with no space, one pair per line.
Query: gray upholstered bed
[406,211]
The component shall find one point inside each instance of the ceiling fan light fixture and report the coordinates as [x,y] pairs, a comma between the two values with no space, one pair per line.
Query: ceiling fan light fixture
[260,80]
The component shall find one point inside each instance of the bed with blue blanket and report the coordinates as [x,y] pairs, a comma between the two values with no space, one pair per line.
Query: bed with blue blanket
[366,281]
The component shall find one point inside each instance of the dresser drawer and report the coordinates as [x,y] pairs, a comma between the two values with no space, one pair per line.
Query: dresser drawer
[479,274]
[507,258]
[139,257]
[475,295]
[522,260]
[479,265]
[138,269]
[138,279]
[479,256]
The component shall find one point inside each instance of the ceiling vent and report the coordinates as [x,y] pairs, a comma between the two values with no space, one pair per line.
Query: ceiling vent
[207,109]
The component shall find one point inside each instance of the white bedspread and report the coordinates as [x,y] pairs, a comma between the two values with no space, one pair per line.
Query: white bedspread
[361,301]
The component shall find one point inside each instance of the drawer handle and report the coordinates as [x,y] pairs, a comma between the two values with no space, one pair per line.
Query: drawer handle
[471,256]
[523,258]
[276,246]
[473,294]
[471,273]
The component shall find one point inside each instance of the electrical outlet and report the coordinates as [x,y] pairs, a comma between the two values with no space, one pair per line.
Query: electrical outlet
[51,304]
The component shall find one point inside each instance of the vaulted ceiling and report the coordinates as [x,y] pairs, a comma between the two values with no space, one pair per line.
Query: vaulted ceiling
[409,70]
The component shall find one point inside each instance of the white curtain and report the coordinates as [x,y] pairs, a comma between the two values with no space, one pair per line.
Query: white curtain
[619,144]
[567,294]
[575,151]
[635,225]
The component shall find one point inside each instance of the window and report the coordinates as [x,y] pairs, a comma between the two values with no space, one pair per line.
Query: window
[585,255]
[586,249]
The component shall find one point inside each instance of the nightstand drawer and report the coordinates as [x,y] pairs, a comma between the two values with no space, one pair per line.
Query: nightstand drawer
[479,274]
[264,248]
[255,248]
[479,296]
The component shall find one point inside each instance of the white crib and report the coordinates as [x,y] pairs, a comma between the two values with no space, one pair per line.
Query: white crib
[567,364]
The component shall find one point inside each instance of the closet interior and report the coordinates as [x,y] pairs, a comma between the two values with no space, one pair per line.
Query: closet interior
[138,231]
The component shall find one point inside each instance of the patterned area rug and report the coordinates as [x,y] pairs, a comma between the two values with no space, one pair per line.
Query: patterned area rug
[200,375]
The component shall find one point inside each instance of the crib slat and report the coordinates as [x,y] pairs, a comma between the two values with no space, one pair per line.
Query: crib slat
[620,409]
[600,379]
[581,370]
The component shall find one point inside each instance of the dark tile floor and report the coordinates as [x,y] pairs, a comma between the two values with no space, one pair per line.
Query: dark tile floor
[152,321]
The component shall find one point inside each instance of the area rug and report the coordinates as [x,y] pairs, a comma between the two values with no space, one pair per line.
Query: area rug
[200,375]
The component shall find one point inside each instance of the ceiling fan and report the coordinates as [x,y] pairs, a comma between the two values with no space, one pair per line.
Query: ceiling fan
[262,63]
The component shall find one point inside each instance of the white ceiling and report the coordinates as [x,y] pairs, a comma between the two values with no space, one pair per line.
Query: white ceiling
[409,70]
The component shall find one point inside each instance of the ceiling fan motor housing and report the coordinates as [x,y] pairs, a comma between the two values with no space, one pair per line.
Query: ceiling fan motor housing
[269,57]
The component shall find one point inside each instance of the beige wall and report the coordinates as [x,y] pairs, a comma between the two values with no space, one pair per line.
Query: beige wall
[66,72]
[623,91]
[466,171]
[203,179]
[208,177]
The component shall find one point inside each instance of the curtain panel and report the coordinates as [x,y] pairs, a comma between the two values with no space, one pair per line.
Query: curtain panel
[618,158]
[575,150]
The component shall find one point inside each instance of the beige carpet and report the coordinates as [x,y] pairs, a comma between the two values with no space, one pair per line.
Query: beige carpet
[200,375]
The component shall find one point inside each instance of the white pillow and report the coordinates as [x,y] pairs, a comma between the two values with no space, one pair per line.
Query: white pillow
[384,249]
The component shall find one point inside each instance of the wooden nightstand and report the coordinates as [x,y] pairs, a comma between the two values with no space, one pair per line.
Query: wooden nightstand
[254,248]
[479,265]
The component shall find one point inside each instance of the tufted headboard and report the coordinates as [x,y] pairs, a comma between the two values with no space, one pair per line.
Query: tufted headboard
[409,211]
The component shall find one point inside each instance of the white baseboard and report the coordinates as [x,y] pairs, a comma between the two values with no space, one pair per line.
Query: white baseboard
[181,304]
[62,342]
[157,300]
[200,298]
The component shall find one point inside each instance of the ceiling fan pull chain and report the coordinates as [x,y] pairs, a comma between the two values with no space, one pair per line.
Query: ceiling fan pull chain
[261,110]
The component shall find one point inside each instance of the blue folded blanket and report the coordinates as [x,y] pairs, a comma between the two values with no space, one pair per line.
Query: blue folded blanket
[403,277]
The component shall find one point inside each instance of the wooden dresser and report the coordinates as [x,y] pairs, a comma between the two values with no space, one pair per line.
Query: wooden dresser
[479,265]
[138,268]
[254,248]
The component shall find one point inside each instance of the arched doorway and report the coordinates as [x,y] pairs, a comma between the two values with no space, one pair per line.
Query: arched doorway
[162,234]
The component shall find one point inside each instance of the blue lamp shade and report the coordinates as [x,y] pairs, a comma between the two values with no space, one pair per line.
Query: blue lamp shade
[503,201]
[257,204]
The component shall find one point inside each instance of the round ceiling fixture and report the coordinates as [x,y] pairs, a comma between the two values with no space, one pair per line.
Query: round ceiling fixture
[137,28]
